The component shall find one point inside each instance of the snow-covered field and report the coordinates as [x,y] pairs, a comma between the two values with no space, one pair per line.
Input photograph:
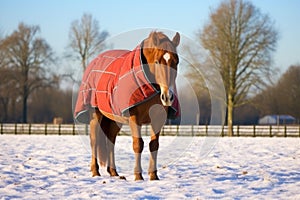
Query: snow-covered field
[57,167]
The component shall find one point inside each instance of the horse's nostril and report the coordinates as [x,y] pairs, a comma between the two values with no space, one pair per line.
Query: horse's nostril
[171,97]
[163,97]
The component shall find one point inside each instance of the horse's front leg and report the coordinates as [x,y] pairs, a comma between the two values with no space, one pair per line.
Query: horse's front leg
[158,115]
[138,146]
[153,147]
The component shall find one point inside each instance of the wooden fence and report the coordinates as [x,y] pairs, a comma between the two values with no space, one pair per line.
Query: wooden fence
[168,130]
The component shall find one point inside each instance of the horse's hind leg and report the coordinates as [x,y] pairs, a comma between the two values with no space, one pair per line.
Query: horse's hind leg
[111,130]
[96,118]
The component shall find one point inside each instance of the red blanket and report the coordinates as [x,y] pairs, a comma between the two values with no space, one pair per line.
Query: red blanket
[114,82]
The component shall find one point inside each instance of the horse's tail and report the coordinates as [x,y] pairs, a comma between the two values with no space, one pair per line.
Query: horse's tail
[102,149]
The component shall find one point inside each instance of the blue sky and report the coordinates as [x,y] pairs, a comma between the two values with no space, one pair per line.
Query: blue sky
[55,16]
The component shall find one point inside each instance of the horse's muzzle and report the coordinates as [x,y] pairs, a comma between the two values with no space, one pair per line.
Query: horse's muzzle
[167,98]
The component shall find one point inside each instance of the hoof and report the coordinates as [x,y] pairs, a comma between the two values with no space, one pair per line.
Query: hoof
[95,170]
[138,177]
[95,173]
[122,178]
[153,176]
[112,171]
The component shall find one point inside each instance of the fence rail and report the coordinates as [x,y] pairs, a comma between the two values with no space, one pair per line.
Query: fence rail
[168,130]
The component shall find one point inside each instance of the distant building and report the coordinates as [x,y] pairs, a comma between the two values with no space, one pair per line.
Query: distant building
[277,120]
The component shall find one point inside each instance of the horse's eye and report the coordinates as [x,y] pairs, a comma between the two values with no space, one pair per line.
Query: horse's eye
[156,62]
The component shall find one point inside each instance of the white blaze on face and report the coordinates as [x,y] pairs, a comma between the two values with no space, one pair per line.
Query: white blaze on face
[167,57]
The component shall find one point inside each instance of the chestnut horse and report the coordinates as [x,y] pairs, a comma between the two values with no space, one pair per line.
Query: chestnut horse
[161,59]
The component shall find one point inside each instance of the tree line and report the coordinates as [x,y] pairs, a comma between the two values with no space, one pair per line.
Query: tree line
[239,40]
[30,87]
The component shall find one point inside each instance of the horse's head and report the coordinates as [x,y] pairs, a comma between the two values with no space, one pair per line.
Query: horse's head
[161,55]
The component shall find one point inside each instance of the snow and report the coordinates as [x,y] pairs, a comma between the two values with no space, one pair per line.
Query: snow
[57,167]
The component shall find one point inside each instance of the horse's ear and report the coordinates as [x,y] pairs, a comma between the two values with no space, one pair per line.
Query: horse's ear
[176,39]
[155,38]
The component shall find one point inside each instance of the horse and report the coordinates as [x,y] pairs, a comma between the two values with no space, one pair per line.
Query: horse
[151,78]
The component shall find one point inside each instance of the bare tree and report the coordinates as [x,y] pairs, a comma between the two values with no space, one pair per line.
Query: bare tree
[7,94]
[282,97]
[240,40]
[288,89]
[27,56]
[2,52]
[86,40]
[6,83]
[206,82]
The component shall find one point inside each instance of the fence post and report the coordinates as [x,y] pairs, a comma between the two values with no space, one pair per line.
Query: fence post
[192,131]
[1,129]
[16,128]
[206,130]
[74,129]
[254,133]
[177,131]
[59,127]
[270,131]
[29,129]
[285,134]
[86,129]
[222,133]
[45,128]
[238,130]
